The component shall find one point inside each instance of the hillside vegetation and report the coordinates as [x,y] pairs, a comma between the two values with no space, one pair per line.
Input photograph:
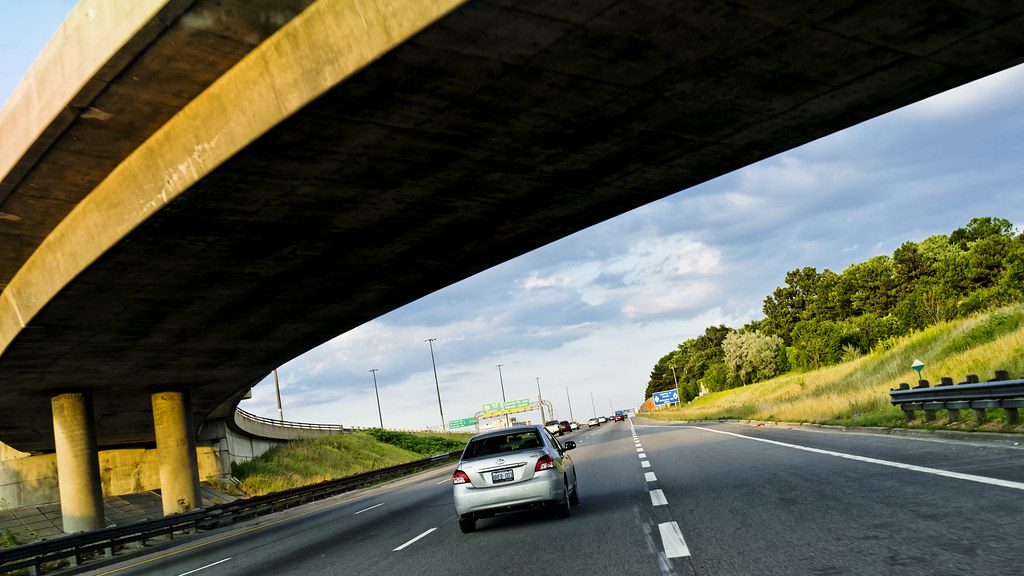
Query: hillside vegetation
[855,392]
[304,462]
[819,319]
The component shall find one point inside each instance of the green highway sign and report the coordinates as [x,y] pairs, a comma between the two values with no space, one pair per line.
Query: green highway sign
[462,423]
[514,404]
[492,407]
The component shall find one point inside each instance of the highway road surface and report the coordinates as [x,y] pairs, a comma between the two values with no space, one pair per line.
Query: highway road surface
[707,499]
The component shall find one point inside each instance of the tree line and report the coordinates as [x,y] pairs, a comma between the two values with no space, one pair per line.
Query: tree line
[821,318]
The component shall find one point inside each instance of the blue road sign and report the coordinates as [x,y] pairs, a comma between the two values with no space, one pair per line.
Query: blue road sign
[666,397]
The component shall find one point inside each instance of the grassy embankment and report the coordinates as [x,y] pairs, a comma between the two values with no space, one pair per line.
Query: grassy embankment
[304,462]
[856,393]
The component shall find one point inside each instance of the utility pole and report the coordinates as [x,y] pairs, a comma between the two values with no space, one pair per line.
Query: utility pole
[377,394]
[430,342]
[277,386]
[567,399]
[676,382]
[507,423]
[540,401]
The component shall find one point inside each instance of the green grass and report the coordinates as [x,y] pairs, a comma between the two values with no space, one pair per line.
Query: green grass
[304,462]
[8,539]
[855,393]
[423,443]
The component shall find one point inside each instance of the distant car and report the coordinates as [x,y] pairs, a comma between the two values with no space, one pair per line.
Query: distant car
[619,417]
[574,425]
[602,419]
[553,427]
[513,469]
[593,422]
[564,426]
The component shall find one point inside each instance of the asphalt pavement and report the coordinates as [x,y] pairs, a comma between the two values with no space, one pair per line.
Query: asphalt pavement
[707,499]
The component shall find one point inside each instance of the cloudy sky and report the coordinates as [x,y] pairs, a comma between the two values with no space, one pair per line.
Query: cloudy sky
[589,315]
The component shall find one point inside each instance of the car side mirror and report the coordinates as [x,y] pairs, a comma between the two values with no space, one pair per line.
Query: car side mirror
[569,445]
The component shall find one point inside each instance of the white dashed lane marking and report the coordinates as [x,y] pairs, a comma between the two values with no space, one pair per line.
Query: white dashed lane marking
[414,539]
[645,464]
[650,477]
[672,539]
[658,498]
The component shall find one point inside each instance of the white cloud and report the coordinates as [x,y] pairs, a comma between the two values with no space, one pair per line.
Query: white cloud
[995,92]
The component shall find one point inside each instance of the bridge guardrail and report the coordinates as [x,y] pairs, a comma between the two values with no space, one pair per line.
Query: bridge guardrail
[107,541]
[1000,392]
[308,426]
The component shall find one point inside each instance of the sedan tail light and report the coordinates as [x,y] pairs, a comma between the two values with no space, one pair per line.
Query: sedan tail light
[546,462]
[460,477]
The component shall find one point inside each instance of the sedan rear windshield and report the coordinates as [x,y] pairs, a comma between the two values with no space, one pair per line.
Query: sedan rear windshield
[499,443]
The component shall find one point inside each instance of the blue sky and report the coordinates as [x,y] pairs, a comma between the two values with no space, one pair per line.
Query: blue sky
[594,311]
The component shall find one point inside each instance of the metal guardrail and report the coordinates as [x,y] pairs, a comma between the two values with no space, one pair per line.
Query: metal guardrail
[1000,392]
[287,424]
[106,542]
[308,426]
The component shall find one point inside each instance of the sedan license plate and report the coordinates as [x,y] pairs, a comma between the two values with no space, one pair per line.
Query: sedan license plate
[502,476]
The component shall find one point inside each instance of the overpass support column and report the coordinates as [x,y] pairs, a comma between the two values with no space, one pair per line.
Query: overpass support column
[176,451]
[78,465]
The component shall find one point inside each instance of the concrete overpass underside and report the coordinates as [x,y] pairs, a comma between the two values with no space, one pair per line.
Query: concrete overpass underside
[297,198]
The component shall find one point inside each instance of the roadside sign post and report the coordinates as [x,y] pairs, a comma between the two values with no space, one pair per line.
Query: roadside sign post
[919,366]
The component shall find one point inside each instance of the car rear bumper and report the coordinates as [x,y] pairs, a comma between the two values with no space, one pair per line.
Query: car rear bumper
[546,486]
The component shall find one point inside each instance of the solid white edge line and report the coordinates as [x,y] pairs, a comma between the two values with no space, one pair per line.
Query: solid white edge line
[650,477]
[658,498]
[370,508]
[911,467]
[645,464]
[414,539]
[204,567]
[672,540]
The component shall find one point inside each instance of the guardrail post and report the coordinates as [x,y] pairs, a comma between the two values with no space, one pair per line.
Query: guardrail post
[921,384]
[945,381]
[1001,375]
[972,379]
[1012,415]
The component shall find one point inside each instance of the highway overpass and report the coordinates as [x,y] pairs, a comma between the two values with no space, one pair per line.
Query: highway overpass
[217,187]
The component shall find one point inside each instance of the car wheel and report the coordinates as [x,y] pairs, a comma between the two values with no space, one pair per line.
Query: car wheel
[467,525]
[563,508]
[575,498]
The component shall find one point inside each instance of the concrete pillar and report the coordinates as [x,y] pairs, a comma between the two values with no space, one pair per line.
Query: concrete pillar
[176,451]
[78,465]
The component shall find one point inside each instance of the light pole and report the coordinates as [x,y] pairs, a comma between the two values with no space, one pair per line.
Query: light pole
[502,382]
[592,404]
[540,401]
[570,403]
[610,405]
[377,394]
[430,342]
[674,381]
[277,386]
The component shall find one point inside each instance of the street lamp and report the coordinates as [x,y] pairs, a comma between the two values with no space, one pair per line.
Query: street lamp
[592,405]
[540,401]
[377,394]
[502,382]
[570,403]
[430,342]
[277,386]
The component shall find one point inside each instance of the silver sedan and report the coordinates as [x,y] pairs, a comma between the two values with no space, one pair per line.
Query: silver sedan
[513,469]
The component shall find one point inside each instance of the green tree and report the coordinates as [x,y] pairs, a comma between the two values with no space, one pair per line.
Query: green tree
[789,304]
[752,356]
